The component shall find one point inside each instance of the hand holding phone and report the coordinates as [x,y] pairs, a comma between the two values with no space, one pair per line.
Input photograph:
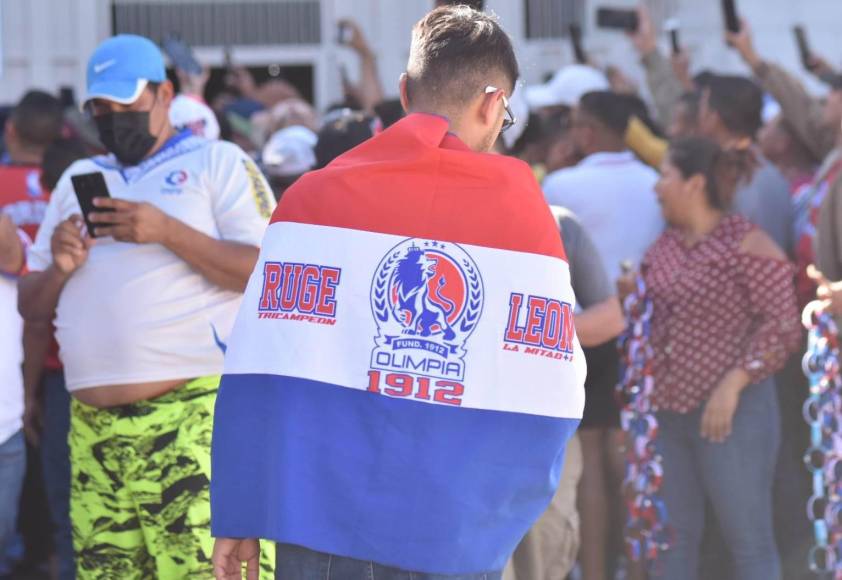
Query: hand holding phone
[88,186]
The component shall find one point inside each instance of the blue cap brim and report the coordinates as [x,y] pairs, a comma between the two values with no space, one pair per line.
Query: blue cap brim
[123,92]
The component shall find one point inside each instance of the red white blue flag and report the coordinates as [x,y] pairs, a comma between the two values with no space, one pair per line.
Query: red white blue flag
[404,373]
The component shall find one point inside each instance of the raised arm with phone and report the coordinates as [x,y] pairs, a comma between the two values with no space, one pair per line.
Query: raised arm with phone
[665,86]
[815,123]
[369,92]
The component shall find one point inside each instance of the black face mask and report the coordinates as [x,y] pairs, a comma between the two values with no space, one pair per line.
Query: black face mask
[126,135]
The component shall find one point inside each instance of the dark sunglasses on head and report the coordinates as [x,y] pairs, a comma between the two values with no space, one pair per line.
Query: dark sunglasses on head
[509,119]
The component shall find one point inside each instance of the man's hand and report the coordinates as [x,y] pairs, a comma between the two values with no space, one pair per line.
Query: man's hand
[720,408]
[70,245]
[681,69]
[138,223]
[358,42]
[743,43]
[11,248]
[33,421]
[192,84]
[619,82]
[820,67]
[241,80]
[626,284]
[230,554]
[643,38]
[829,292]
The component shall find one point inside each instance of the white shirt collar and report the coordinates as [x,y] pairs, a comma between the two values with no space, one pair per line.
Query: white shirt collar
[607,158]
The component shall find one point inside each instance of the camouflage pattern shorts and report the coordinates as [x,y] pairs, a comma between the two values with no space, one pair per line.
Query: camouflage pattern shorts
[140,504]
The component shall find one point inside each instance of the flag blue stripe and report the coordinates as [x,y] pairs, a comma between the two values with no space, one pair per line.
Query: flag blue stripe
[423,487]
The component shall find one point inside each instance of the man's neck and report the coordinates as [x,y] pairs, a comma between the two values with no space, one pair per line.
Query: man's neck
[795,169]
[610,148]
[25,156]
[168,134]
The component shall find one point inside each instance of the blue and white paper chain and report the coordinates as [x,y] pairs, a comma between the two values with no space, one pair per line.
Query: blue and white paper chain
[823,411]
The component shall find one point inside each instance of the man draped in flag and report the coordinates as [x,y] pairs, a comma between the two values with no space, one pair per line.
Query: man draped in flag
[404,374]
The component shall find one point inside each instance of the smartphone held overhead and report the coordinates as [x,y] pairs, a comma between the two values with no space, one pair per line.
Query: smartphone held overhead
[617,19]
[576,42]
[804,50]
[181,55]
[729,13]
[672,26]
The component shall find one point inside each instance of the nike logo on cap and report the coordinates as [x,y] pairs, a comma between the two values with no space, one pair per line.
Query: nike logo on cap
[98,68]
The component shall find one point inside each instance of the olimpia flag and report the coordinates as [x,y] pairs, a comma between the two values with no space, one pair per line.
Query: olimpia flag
[404,373]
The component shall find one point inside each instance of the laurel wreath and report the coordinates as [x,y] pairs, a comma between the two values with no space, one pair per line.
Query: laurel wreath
[381,282]
[474,302]
[474,298]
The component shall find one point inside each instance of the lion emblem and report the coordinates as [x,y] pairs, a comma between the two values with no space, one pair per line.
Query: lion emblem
[419,303]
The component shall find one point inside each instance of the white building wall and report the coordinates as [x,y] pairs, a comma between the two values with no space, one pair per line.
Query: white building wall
[45,43]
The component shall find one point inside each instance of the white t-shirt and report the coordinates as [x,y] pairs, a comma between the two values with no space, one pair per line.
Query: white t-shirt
[11,357]
[137,313]
[613,195]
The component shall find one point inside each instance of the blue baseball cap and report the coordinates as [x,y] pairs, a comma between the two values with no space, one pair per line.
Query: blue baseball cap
[122,66]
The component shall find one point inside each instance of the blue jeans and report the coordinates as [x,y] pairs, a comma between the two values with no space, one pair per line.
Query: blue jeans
[12,470]
[55,463]
[297,563]
[735,476]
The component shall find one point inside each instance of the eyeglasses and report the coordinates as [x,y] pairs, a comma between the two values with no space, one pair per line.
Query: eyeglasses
[510,119]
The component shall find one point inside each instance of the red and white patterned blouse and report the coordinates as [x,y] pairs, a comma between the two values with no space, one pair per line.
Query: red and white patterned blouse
[716,308]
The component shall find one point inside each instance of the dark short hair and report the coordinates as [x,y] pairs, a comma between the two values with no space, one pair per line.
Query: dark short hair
[58,156]
[692,101]
[738,102]
[634,106]
[455,51]
[389,112]
[475,4]
[342,134]
[38,119]
[723,169]
[609,109]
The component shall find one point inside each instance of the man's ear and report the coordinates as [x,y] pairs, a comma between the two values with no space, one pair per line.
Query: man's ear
[404,94]
[488,108]
[166,92]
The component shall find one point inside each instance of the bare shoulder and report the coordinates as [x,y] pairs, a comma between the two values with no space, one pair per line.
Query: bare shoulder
[758,243]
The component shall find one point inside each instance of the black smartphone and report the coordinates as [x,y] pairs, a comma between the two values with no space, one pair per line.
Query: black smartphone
[576,41]
[181,55]
[676,44]
[803,46]
[88,186]
[617,19]
[729,11]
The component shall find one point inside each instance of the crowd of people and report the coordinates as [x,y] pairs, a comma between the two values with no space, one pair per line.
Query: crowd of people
[717,193]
